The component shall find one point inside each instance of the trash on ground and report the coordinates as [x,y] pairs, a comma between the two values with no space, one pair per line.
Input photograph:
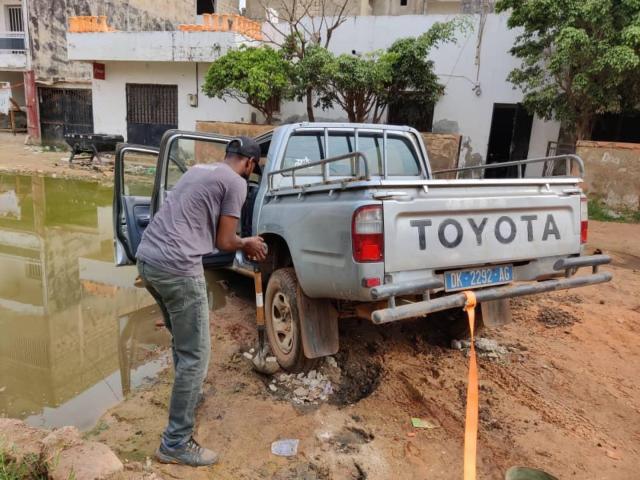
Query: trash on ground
[422,423]
[285,448]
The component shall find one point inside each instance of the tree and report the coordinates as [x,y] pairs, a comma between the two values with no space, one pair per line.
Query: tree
[297,25]
[251,75]
[365,85]
[412,70]
[580,58]
[356,83]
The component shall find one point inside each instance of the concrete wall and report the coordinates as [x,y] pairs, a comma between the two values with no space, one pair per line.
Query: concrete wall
[47,21]
[255,8]
[173,46]
[109,96]
[612,172]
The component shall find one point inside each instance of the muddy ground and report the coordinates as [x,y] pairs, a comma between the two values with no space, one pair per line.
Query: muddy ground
[562,396]
[18,158]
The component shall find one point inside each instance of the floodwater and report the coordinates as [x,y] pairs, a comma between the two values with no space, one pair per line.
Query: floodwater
[75,334]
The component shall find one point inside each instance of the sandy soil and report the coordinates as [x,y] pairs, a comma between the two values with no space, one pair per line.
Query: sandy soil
[564,398]
[16,157]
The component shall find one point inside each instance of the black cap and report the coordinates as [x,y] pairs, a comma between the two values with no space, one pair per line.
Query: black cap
[245,146]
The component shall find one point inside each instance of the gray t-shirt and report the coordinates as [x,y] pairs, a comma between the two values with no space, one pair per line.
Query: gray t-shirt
[184,228]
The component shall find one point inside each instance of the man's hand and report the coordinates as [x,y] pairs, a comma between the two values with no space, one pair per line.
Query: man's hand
[254,248]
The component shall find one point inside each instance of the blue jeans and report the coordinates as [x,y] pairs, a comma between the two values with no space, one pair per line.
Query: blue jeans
[184,305]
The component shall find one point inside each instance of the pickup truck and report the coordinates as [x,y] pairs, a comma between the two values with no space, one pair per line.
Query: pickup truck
[358,224]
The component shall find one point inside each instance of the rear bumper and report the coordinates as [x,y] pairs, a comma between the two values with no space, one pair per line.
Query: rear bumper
[418,309]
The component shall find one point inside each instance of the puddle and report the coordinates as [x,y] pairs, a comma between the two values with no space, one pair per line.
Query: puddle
[75,335]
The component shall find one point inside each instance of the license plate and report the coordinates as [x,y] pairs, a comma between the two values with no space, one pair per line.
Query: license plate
[477,277]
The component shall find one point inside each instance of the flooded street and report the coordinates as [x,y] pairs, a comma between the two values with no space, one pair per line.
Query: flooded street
[75,335]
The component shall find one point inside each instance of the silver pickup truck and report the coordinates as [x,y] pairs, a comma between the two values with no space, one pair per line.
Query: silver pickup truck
[358,224]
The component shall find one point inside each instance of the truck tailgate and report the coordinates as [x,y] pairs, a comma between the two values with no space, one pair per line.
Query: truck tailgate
[449,227]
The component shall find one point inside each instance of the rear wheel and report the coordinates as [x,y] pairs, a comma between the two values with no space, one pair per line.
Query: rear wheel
[282,321]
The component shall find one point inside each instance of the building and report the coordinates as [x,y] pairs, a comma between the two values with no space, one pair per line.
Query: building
[14,63]
[167,69]
[53,92]
[262,9]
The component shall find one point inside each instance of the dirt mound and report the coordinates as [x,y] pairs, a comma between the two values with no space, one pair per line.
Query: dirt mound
[556,317]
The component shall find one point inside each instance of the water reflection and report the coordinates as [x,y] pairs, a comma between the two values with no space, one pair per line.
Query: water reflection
[75,335]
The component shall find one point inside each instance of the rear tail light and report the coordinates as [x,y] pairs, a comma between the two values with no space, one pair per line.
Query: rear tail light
[367,236]
[584,219]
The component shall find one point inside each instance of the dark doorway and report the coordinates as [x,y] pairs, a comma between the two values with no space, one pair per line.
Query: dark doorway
[508,139]
[405,110]
[206,6]
[64,110]
[151,111]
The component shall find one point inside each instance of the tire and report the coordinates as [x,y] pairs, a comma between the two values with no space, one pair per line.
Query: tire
[282,321]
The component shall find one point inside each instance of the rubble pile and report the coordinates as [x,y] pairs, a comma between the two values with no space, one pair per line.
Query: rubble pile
[310,388]
[486,348]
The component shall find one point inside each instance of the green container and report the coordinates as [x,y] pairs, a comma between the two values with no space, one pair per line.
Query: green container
[524,473]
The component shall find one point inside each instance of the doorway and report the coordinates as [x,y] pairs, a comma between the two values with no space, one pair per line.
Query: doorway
[508,138]
[151,111]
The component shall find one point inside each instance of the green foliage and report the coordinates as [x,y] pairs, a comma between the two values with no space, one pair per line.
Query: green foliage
[30,469]
[356,84]
[579,58]
[364,85]
[600,212]
[252,75]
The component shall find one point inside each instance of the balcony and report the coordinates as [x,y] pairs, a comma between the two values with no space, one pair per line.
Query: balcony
[13,54]
[93,39]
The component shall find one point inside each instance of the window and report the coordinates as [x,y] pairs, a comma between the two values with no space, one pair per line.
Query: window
[14,18]
[403,3]
[206,6]
[307,147]
[184,153]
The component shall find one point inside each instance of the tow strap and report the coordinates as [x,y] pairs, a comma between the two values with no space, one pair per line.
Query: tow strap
[471,422]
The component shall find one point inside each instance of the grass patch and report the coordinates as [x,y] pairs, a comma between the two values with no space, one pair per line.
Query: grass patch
[600,212]
[30,469]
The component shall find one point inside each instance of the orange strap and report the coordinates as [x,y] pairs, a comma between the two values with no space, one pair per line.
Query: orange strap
[471,423]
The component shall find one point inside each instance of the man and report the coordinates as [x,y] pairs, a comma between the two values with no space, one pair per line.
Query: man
[204,205]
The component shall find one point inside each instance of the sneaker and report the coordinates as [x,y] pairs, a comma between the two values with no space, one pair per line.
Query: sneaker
[190,454]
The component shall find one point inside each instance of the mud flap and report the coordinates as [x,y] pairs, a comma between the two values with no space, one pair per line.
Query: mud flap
[495,313]
[319,326]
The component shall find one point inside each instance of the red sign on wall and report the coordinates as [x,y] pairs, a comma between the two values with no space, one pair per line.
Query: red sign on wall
[99,71]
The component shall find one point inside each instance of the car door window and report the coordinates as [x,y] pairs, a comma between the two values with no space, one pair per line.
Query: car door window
[187,152]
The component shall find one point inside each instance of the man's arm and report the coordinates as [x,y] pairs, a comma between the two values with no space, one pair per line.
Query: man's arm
[229,241]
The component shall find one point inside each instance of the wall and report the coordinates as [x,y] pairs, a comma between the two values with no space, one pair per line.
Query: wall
[612,172]
[48,28]
[255,8]
[109,96]
[169,46]
[443,150]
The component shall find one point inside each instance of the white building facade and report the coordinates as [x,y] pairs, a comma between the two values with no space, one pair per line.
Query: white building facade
[479,103]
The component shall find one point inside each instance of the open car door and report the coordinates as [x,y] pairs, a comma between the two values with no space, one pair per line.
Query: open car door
[134,175]
[179,151]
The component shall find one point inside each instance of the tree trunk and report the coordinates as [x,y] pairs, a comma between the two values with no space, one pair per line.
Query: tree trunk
[310,115]
[584,127]
[269,117]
